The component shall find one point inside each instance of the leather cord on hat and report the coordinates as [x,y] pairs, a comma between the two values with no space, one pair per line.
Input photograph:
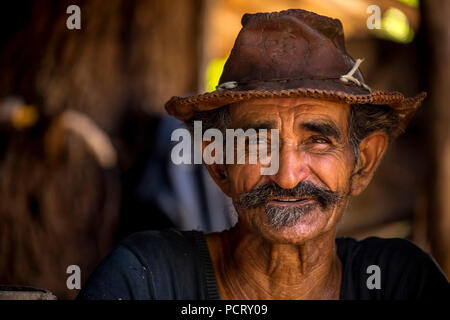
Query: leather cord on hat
[349,76]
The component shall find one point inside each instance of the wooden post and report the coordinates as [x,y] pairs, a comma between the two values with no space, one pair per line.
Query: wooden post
[436,15]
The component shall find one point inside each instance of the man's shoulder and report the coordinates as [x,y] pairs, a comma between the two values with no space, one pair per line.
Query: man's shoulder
[162,243]
[389,253]
[377,247]
[405,270]
[164,264]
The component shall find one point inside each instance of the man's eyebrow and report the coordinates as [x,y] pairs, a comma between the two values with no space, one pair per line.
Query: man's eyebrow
[259,125]
[325,128]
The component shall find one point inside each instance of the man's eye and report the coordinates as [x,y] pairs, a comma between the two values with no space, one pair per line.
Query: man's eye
[320,140]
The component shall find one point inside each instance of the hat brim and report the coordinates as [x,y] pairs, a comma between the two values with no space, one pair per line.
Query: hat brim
[184,108]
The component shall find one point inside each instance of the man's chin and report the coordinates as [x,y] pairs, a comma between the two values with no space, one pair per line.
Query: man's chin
[304,226]
[288,214]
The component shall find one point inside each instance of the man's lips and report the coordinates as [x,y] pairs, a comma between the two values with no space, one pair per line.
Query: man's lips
[290,201]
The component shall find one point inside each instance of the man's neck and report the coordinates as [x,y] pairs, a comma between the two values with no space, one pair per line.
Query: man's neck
[249,267]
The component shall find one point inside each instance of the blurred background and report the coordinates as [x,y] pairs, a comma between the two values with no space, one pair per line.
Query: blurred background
[85,141]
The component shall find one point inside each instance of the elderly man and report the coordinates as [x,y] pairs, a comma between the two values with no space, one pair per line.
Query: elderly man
[288,71]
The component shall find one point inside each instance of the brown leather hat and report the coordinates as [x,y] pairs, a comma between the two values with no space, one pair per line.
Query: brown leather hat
[292,53]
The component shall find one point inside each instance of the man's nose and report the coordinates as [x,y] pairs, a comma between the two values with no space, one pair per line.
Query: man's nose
[292,167]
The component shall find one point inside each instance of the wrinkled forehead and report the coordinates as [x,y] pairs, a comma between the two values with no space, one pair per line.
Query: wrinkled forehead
[279,110]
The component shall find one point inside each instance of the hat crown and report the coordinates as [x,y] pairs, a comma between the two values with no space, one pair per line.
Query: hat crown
[291,44]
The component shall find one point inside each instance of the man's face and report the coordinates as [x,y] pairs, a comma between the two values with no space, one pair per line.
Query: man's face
[308,194]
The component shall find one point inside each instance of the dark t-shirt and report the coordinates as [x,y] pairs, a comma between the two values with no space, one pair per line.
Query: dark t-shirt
[173,264]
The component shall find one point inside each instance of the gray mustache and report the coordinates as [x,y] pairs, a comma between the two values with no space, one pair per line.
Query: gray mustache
[259,196]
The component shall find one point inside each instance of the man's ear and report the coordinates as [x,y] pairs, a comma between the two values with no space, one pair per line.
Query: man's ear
[219,173]
[371,151]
